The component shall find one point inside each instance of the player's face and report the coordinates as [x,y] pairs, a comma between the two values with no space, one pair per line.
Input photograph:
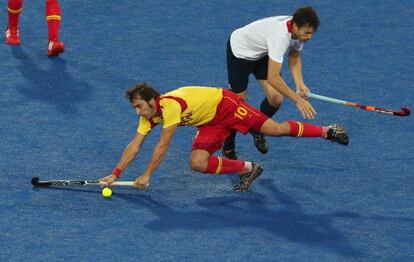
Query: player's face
[303,33]
[144,108]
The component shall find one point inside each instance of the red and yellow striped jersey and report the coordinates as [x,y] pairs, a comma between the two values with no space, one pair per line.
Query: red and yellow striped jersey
[189,105]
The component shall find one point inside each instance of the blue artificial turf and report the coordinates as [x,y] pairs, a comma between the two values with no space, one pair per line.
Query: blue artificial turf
[66,118]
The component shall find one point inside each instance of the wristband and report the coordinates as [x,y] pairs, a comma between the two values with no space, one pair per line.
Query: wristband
[116,172]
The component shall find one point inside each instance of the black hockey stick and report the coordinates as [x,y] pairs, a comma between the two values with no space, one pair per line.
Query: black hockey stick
[47,183]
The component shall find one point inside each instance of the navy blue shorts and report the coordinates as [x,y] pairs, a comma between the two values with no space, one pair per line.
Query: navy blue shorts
[238,70]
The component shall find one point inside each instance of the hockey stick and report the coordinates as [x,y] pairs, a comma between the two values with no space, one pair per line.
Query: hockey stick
[47,183]
[405,111]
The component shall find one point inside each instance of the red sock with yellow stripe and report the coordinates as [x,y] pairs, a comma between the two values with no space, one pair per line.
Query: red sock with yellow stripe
[53,17]
[14,8]
[219,165]
[300,129]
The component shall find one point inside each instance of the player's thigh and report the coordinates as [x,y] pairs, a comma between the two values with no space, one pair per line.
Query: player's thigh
[261,68]
[238,77]
[238,72]
[210,138]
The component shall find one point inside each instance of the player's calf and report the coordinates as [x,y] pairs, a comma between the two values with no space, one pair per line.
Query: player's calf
[229,146]
[230,154]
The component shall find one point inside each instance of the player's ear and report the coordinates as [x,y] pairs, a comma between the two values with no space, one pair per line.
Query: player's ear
[295,27]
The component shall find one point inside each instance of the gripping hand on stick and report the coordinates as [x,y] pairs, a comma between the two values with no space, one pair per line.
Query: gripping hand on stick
[108,180]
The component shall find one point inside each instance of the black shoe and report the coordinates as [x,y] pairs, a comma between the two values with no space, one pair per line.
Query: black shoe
[247,179]
[337,134]
[260,142]
[230,154]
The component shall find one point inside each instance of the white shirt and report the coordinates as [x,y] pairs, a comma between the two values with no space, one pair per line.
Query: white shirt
[267,36]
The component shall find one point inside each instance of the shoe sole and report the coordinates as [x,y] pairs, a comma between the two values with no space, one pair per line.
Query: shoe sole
[343,132]
[13,43]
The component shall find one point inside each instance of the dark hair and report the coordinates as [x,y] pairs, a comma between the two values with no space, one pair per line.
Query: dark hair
[306,16]
[144,90]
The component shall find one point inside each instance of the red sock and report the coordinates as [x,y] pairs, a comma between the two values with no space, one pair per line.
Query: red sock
[53,18]
[219,165]
[14,7]
[300,129]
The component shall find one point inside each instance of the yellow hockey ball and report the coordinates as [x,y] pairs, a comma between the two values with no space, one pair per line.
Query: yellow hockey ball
[107,192]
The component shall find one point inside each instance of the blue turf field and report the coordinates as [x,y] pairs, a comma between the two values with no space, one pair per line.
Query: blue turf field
[66,118]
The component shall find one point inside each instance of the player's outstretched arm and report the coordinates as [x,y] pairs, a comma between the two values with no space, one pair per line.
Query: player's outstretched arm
[295,65]
[277,82]
[128,155]
[157,156]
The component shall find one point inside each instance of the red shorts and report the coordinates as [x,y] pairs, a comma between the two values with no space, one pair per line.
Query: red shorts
[232,114]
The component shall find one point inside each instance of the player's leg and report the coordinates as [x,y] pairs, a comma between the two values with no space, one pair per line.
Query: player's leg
[202,161]
[14,8]
[249,118]
[291,128]
[273,100]
[53,18]
[269,105]
[208,140]
[238,71]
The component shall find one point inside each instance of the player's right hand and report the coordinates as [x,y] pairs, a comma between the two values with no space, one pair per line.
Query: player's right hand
[306,109]
[108,180]
[141,182]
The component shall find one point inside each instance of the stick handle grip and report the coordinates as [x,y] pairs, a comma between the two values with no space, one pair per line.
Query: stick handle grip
[121,183]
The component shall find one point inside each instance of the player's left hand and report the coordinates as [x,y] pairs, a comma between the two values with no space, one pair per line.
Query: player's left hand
[306,109]
[108,180]
[141,182]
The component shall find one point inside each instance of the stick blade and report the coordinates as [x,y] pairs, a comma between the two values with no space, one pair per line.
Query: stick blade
[406,110]
[35,182]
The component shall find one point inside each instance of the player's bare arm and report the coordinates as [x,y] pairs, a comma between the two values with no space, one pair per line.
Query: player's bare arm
[277,82]
[295,65]
[128,155]
[157,156]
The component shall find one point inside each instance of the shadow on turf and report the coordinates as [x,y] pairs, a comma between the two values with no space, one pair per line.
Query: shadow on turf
[287,220]
[53,85]
[246,210]
[81,190]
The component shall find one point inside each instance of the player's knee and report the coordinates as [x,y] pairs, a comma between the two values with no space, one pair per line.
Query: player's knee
[272,128]
[198,164]
[276,100]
